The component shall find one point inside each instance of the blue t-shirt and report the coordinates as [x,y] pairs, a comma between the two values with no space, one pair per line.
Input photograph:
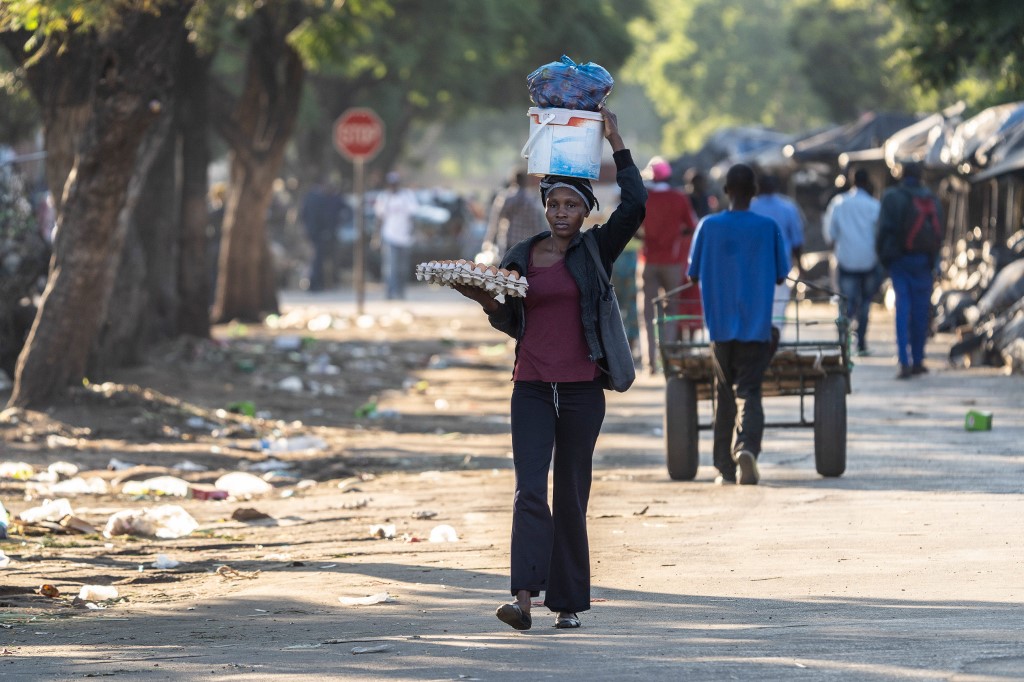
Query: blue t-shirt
[738,256]
[783,211]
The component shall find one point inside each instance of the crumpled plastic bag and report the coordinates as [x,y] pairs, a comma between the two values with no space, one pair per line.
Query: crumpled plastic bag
[567,85]
[167,521]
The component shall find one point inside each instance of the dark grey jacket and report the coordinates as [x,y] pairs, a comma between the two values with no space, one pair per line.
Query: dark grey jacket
[611,237]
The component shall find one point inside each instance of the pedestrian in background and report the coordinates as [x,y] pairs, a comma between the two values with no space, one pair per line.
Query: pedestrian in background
[321,213]
[558,401]
[850,226]
[738,257]
[514,216]
[696,187]
[394,209]
[909,240]
[666,233]
[772,203]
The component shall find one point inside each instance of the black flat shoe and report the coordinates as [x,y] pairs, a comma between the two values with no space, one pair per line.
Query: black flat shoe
[511,614]
[566,620]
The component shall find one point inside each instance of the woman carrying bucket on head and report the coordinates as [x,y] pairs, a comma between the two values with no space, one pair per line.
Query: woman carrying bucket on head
[558,402]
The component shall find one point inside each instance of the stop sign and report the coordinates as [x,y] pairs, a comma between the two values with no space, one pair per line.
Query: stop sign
[358,133]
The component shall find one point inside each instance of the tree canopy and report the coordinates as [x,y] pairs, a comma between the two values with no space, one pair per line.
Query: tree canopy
[965,43]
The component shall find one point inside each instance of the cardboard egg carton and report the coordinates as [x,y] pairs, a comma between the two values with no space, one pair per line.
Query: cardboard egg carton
[499,282]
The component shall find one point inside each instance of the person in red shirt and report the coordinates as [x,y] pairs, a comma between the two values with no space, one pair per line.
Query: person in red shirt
[667,232]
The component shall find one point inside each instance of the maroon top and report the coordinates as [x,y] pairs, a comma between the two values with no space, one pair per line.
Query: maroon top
[553,347]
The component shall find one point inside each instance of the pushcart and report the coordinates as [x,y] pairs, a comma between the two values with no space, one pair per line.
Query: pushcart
[812,360]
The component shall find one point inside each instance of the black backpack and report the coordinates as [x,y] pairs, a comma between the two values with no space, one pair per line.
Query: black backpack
[922,232]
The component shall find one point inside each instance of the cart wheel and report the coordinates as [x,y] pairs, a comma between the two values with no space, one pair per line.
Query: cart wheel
[830,425]
[681,429]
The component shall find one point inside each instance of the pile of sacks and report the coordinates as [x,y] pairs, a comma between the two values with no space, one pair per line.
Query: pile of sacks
[499,282]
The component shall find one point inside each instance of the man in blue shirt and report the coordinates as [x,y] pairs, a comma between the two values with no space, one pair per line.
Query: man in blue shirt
[773,204]
[738,257]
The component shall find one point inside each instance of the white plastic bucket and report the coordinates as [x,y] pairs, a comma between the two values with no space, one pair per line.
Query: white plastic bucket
[564,142]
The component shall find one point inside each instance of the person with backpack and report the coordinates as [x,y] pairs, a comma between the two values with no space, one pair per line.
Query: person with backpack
[909,242]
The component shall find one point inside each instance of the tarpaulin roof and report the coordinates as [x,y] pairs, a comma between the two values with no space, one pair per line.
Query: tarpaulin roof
[922,141]
[871,130]
[975,143]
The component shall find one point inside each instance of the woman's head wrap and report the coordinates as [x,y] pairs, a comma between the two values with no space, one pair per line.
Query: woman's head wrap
[579,185]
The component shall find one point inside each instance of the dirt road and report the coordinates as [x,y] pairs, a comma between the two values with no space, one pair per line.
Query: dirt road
[907,567]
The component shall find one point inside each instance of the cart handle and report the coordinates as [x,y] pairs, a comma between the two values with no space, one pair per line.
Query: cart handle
[671,292]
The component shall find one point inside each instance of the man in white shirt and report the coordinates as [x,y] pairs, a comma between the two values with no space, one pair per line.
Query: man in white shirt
[850,224]
[394,209]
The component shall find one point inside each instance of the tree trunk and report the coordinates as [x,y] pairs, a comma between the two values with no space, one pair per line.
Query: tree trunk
[129,78]
[193,126]
[257,126]
[144,300]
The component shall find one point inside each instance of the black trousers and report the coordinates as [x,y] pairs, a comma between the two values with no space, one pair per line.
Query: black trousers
[550,550]
[739,371]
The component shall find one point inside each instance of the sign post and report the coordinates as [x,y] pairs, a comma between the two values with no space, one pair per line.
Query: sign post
[358,136]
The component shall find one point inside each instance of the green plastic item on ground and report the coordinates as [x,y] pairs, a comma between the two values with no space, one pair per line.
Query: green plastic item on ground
[978,420]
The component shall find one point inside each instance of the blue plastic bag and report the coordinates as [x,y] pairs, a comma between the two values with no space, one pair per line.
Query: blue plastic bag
[567,85]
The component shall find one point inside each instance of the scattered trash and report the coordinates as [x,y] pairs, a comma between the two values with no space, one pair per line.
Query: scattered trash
[358,504]
[165,562]
[229,573]
[73,523]
[170,486]
[978,420]
[385,414]
[294,444]
[94,485]
[371,649]
[97,592]
[248,514]
[288,343]
[5,520]
[441,404]
[270,464]
[117,465]
[642,511]
[65,469]
[48,590]
[19,471]
[202,491]
[443,533]
[424,514]
[5,560]
[367,409]
[379,598]
[242,485]
[189,465]
[50,510]
[167,521]
[290,384]
[384,532]
[243,407]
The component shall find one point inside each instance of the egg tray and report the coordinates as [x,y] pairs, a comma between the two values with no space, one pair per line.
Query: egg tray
[499,282]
